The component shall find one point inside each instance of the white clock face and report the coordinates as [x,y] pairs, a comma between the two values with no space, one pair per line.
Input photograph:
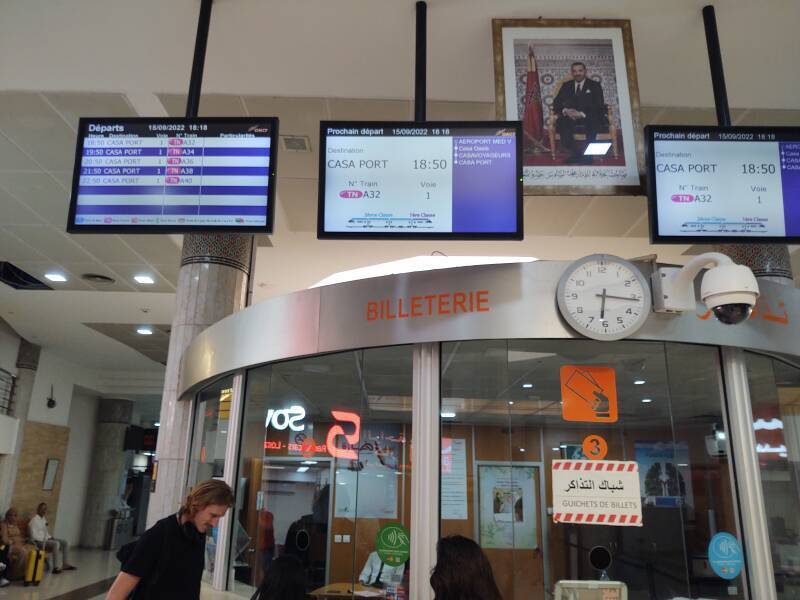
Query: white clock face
[604,297]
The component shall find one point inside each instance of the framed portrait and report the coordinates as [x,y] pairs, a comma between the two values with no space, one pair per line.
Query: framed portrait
[573,85]
[507,506]
[50,473]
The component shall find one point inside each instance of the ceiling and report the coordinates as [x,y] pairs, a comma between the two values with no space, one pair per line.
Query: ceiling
[304,62]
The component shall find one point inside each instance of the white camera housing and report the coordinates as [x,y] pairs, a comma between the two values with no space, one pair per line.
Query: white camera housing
[728,289]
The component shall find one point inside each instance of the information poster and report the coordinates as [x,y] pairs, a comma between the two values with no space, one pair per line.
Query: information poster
[367,488]
[454,479]
[596,492]
[507,506]
[665,474]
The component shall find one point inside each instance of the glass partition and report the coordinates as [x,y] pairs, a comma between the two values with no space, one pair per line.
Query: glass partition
[511,409]
[325,462]
[775,398]
[209,440]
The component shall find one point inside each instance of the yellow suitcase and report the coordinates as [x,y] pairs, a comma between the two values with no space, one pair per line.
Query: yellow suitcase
[35,569]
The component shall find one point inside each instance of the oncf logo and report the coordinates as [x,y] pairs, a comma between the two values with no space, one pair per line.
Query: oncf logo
[291,418]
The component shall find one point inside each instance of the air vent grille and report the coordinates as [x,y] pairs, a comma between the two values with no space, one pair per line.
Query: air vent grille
[18,279]
[296,143]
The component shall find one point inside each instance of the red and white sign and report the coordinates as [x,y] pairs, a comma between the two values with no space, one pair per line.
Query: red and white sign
[597,492]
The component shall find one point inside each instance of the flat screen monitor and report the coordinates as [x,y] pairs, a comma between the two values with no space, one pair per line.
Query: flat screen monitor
[723,184]
[435,180]
[165,175]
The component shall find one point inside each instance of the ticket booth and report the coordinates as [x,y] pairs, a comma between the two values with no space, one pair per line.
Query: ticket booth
[458,401]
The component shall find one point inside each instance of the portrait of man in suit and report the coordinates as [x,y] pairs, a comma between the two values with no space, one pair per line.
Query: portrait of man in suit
[579,108]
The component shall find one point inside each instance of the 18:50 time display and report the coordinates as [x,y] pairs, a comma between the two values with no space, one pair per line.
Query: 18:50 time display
[758,169]
[426,164]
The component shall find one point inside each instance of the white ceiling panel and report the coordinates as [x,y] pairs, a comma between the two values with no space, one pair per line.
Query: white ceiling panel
[438,110]
[211,105]
[787,118]
[72,106]
[687,116]
[13,249]
[14,212]
[12,158]
[297,202]
[29,122]
[40,193]
[553,215]
[348,109]
[610,216]
[154,248]
[64,178]
[169,271]
[107,248]
[51,242]
[174,104]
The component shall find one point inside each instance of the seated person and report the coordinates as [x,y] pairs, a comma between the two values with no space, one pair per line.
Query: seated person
[58,549]
[18,550]
[378,574]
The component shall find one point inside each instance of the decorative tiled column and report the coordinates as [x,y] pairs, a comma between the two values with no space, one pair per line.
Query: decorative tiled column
[212,284]
[27,363]
[109,470]
[767,261]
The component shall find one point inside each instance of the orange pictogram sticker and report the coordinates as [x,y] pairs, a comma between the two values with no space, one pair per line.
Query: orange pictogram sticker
[588,394]
[595,447]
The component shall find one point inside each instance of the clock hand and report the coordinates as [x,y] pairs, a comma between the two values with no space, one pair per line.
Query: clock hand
[604,295]
[602,304]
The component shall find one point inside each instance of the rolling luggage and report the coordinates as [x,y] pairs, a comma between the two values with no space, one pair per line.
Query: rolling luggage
[35,569]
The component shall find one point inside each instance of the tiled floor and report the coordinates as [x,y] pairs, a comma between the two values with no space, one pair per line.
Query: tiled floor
[93,566]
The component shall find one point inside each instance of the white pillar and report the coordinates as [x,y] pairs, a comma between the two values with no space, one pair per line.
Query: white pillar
[212,284]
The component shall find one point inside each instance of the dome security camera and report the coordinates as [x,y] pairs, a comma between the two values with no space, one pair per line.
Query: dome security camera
[727,289]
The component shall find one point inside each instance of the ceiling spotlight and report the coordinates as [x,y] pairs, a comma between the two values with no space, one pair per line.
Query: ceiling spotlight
[522,449]
[302,469]
[646,400]
[511,403]
[447,415]
[527,386]
[144,279]
[144,331]
[57,277]
[639,382]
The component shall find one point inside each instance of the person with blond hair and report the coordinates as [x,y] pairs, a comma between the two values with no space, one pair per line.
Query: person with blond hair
[167,561]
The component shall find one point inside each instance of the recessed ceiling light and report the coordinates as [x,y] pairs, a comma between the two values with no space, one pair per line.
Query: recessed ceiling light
[447,415]
[144,279]
[683,465]
[511,403]
[639,382]
[556,449]
[157,424]
[522,449]
[309,462]
[302,469]
[527,386]
[57,277]
[646,400]
[144,331]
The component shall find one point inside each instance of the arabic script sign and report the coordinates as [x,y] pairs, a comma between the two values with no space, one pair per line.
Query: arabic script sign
[597,492]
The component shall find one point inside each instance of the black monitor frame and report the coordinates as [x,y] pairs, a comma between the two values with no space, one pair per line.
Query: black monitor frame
[72,227]
[652,201]
[331,235]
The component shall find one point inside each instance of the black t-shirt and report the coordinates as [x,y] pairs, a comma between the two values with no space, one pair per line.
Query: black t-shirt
[169,558]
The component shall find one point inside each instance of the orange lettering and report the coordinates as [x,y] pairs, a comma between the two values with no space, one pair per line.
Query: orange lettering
[372,311]
[389,314]
[444,304]
[400,312]
[430,304]
[416,306]
[483,301]
[459,299]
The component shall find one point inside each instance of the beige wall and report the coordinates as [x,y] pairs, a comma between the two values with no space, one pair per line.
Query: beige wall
[41,442]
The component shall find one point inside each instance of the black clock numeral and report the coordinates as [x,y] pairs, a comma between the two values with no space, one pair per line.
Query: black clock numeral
[580,310]
[620,321]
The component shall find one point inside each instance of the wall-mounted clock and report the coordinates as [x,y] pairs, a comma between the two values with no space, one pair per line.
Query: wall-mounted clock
[604,297]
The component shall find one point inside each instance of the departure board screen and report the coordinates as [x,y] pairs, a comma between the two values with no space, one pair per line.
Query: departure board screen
[456,180]
[174,175]
[724,184]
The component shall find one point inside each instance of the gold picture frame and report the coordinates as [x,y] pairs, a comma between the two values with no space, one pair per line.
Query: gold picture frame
[605,48]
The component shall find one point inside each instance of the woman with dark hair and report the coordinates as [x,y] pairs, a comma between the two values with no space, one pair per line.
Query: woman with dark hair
[284,580]
[462,571]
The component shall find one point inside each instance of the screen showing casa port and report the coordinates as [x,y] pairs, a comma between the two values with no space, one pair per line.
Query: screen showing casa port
[732,183]
[433,179]
[173,175]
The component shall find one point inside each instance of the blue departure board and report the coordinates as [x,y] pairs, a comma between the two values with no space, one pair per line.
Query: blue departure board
[174,175]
